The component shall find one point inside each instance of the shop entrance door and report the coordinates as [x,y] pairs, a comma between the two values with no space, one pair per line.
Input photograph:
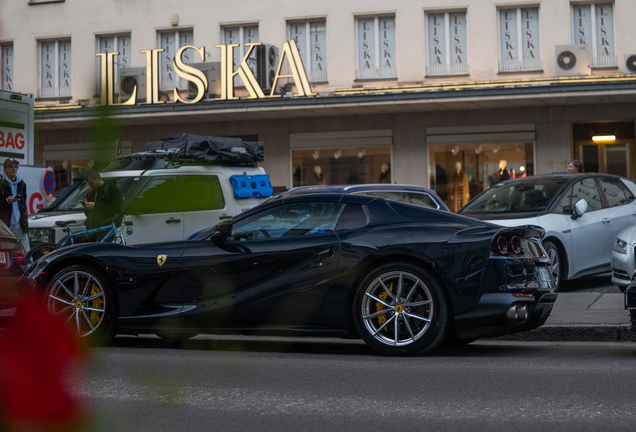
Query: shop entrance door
[608,158]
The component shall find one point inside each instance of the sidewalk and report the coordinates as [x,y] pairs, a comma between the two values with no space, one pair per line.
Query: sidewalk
[584,316]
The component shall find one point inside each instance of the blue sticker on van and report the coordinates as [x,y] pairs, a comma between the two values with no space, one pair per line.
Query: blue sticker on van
[251,186]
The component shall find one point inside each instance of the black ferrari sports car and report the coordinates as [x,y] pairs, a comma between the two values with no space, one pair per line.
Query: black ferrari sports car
[400,276]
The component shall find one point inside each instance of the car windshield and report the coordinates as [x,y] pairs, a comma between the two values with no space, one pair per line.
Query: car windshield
[72,202]
[521,196]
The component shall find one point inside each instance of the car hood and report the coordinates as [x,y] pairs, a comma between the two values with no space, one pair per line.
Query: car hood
[47,220]
[628,235]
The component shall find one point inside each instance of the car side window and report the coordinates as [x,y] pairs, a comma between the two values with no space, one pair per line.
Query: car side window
[395,196]
[201,192]
[159,195]
[352,217]
[289,220]
[422,199]
[564,206]
[587,190]
[614,192]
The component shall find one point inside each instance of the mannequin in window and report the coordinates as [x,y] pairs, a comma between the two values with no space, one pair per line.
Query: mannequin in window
[458,188]
[503,173]
[385,173]
[319,177]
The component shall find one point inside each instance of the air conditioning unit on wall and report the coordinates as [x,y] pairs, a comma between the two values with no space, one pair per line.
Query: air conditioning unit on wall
[212,71]
[266,64]
[572,60]
[128,79]
[629,66]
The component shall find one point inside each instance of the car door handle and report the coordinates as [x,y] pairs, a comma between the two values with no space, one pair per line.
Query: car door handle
[224,216]
[605,220]
[173,220]
[327,253]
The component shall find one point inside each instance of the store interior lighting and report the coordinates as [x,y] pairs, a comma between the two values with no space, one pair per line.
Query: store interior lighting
[518,149]
[600,138]
[316,154]
[522,168]
[478,149]
[337,154]
[495,149]
[455,150]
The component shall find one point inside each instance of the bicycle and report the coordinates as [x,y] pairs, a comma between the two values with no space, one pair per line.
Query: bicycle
[44,248]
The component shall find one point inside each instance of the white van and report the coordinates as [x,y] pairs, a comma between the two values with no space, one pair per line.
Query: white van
[164,200]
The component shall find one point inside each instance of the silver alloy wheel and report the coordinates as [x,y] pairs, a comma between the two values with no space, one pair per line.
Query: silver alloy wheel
[397,308]
[78,297]
[555,267]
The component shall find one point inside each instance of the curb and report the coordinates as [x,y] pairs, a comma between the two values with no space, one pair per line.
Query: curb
[575,333]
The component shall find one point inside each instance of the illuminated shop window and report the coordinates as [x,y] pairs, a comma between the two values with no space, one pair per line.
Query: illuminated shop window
[6,66]
[338,166]
[375,43]
[311,39]
[447,43]
[519,47]
[458,173]
[113,43]
[55,68]
[171,42]
[593,25]
[242,35]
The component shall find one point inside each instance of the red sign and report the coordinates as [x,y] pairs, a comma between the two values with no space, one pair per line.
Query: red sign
[49,182]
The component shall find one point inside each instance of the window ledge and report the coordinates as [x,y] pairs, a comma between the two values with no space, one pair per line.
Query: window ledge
[374,79]
[537,71]
[604,67]
[446,76]
[64,99]
[37,2]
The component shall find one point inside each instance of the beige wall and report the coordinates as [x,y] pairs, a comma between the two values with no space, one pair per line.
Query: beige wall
[83,20]
[410,163]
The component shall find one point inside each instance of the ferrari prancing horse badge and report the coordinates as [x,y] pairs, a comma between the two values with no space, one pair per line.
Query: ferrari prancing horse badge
[161,259]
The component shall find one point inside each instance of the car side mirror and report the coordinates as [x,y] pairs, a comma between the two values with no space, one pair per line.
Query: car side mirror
[222,231]
[579,208]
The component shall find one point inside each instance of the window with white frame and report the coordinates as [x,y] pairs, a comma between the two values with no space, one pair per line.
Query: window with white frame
[593,25]
[311,39]
[113,43]
[519,48]
[447,43]
[376,47]
[171,42]
[55,68]
[242,35]
[6,66]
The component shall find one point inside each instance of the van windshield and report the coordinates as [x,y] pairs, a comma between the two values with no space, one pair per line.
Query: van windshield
[523,196]
[72,202]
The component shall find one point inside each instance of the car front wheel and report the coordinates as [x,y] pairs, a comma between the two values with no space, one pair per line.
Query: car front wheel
[83,298]
[555,260]
[400,309]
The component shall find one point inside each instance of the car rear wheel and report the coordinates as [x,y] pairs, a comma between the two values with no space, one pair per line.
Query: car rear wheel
[83,298]
[555,260]
[400,309]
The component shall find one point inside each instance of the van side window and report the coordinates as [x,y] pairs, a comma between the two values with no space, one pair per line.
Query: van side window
[201,192]
[160,195]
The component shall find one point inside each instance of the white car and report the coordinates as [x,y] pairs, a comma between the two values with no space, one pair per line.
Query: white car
[624,258]
[582,215]
[168,200]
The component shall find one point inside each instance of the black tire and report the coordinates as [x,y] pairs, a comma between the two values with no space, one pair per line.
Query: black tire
[420,310]
[554,254]
[84,299]
[39,251]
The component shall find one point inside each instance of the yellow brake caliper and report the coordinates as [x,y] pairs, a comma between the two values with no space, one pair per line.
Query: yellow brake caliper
[98,303]
[378,306]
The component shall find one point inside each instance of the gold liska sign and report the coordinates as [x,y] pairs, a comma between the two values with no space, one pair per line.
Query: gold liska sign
[198,78]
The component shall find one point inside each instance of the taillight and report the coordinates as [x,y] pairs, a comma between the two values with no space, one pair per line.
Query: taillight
[20,256]
[501,245]
[516,245]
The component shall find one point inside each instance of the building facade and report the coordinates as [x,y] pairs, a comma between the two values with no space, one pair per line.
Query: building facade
[409,92]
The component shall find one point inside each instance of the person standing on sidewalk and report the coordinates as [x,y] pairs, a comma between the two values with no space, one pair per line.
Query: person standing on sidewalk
[103,205]
[13,196]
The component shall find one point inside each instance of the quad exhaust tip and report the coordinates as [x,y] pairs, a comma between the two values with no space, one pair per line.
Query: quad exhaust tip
[517,313]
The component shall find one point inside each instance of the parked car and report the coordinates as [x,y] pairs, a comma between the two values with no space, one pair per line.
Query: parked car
[623,256]
[401,277]
[12,262]
[168,195]
[411,194]
[582,215]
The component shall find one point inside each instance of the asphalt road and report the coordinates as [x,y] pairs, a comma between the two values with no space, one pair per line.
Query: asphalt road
[279,384]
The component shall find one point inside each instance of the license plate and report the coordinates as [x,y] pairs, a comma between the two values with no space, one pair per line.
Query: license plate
[3,258]
[544,274]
